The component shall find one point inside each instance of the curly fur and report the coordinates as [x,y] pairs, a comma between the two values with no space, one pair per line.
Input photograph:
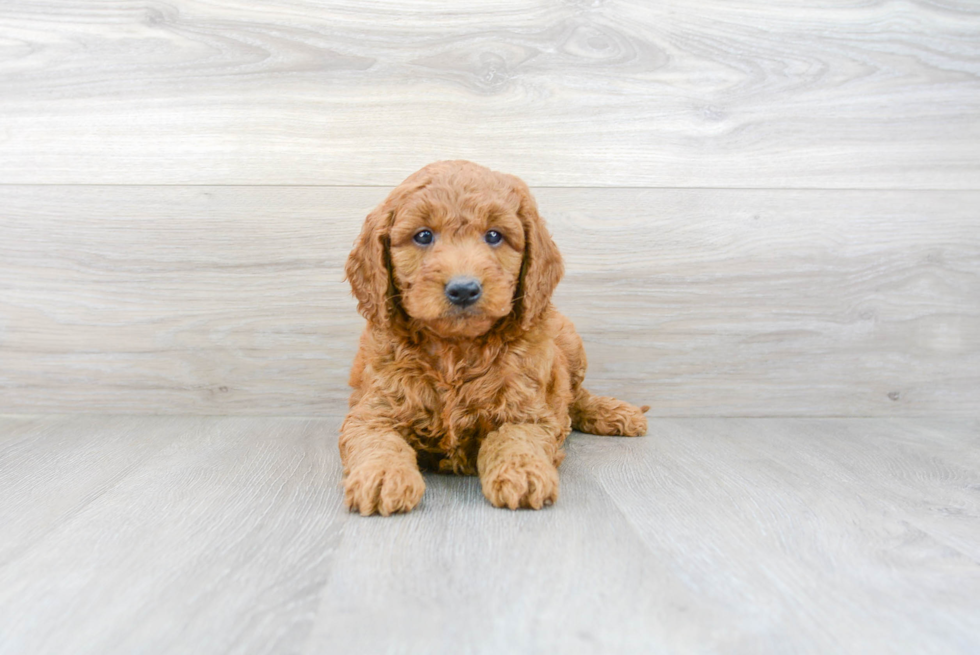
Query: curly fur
[492,389]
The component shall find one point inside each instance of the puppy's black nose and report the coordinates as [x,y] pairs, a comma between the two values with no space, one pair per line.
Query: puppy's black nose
[463,291]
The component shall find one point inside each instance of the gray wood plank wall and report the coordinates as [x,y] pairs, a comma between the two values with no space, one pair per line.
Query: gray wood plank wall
[765,208]
[706,93]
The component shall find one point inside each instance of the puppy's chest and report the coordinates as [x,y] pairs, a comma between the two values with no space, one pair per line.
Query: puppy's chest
[451,404]
[462,405]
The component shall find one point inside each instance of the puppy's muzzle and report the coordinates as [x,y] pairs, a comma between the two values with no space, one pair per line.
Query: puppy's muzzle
[463,291]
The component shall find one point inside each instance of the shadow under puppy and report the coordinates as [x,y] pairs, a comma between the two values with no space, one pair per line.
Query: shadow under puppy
[465,366]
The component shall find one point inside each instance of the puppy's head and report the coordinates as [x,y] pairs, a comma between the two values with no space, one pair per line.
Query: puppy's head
[454,249]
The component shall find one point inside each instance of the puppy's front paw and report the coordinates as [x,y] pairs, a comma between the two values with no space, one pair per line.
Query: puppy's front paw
[521,481]
[383,488]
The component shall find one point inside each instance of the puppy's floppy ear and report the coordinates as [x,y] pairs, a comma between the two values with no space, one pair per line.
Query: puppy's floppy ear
[369,269]
[542,268]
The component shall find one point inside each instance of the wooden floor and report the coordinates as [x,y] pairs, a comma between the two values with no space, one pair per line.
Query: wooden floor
[213,535]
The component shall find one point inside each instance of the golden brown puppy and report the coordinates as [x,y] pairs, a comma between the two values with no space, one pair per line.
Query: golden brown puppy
[465,366]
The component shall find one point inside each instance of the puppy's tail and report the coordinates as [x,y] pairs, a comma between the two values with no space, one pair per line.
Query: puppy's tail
[607,416]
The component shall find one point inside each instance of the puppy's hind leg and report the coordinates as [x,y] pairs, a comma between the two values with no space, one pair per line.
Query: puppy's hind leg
[607,416]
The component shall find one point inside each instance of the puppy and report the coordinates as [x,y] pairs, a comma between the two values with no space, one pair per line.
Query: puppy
[464,366]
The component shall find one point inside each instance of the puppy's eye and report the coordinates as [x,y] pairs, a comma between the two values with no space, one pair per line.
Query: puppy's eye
[423,237]
[493,237]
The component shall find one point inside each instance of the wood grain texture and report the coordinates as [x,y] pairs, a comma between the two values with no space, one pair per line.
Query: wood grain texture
[706,93]
[711,535]
[178,535]
[839,506]
[217,300]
